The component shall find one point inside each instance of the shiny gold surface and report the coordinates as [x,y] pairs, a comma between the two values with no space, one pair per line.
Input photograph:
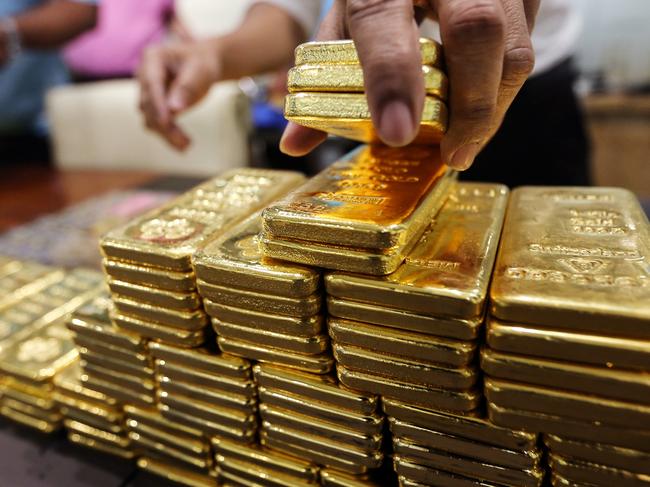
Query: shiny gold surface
[153,419]
[317,364]
[576,259]
[375,197]
[156,297]
[199,448]
[90,419]
[454,401]
[118,441]
[344,52]
[150,276]
[208,427]
[408,345]
[166,237]
[40,401]
[601,350]
[167,334]
[448,271]
[598,381]
[127,381]
[51,416]
[567,404]
[29,421]
[333,478]
[403,320]
[186,320]
[150,444]
[323,389]
[584,472]
[304,327]
[138,360]
[420,475]
[405,370]
[174,474]
[106,334]
[107,414]
[472,428]
[111,363]
[94,444]
[348,78]
[309,346]
[266,303]
[234,260]
[240,402]
[255,474]
[21,279]
[468,467]
[122,394]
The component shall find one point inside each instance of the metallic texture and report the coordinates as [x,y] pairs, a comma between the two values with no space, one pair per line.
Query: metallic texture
[119,441]
[175,474]
[240,402]
[185,320]
[156,297]
[94,444]
[589,473]
[242,435]
[256,474]
[419,475]
[150,276]
[39,424]
[166,334]
[122,394]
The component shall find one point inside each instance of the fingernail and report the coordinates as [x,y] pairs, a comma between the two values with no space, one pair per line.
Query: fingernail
[464,157]
[176,101]
[396,124]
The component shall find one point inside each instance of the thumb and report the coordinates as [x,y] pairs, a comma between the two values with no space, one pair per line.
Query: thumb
[190,85]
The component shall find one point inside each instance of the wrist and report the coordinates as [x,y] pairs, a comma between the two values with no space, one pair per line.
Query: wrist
[10,37]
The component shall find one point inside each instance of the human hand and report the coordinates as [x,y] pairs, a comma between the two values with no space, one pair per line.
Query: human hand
[172,79]
[488,54]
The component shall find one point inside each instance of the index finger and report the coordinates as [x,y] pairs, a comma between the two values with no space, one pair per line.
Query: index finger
[152,76]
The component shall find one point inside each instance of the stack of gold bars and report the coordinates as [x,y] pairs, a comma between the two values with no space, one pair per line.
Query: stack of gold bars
[148,261]
[262,309]
[19,279]
[415,333]
[569,333]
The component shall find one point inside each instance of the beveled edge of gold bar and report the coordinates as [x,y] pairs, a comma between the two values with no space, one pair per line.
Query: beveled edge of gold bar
[175,474]
[258,474]
[155,296]
[245,435]
[159,332]
[203,360]
[188,320]
[30,421]
[117,440]
[94,444]
[135,273]
[153,418]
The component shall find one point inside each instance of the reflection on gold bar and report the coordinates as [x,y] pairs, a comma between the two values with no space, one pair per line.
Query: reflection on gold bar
[120,393]
[234,260]
[118,441]
[334,478]
[567,404]
[87,409]
[167,237]
[576,259]
[254,473]
[405,370]
[317,364]
[171,440]
[239,402]
[186,320]
[215,381]
[150,276]
[406,344]
[143,372]
[208,412]
[202,360]
[127,381]
[345,52]
[144,442]
[175,336]
[35,412]
[592,474]
[447,273]
[156,297]
[600,381]
[208,427]
[348,78]
[153,418]
[30,421]
[96,421]
[175,474]
[420,475]
[41,401]
[129,357]
[94,444]
[106,334]
[453,401]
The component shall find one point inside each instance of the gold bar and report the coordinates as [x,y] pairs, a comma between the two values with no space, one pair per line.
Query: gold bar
[146,443]
[567,404]
[229,400]
[108,415]
[34,412]
[87,417]
[262,476]
[334,478]
[403,320]
[308,346]
[447,273]
[613,456]
[472,428]
[45,403]
[22,279]
[30,421]
[370,424]
[208,412]
[317,364]
[107,334]
[408,345]
[156,297]
[190,447]
[601,350]
[229,479]
[305,327]
[203,360]
[186,320]
[122,367]
[173,474]
[94,444]
[583,472]
[97,348]
[466,448]
[419,475]
[167,334]
[208,427]
[573,258]
[153,419]
[623,385]
[120,393]
[150,276]
[467,467]
[127,381]
[405,370]
[118,441]
[266,303]
[168,236]
[375,197]
[234,260]
[321,388]
[348,78]
[452,401]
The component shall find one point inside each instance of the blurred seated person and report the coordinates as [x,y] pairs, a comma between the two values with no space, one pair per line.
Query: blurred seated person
[31,31]
[124,29]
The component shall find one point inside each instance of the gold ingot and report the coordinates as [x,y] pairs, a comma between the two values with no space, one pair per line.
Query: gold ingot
[623,385]
[584,430]
[575,259]
[90,419]
[403,320]
[198,462]
[321,388]
[184,282]
[213,381]
[167,334]
[234,260]
[567,404]
[97,348]
[122,394]
[348,78]
[405,370]
[601,350]
[51,416]
[317,427]
[266,303]
[94,444]
[254,473]
[173,474]
[156,297]
[243,435]
[447,273]
[467,448]
[427,397]
[408,345]
[118,441]
[42,402]
[143,372]
[202,360]
[107,334]
[309,346]
[206,395]
[208,412]
[333,478]
[592,474]
[229,479]
[460,465]
[191,447]
[276,462]
[304,327]
[317,364]
[375,197]
[74,407]
[598,453]
[472,428]
[185,320]
[370,424]
[21,279]
[168,236]
[127,381]
[36,423]
[153,419]
[421,476]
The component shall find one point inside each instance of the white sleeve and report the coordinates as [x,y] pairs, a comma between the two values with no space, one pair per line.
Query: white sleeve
[305,12]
